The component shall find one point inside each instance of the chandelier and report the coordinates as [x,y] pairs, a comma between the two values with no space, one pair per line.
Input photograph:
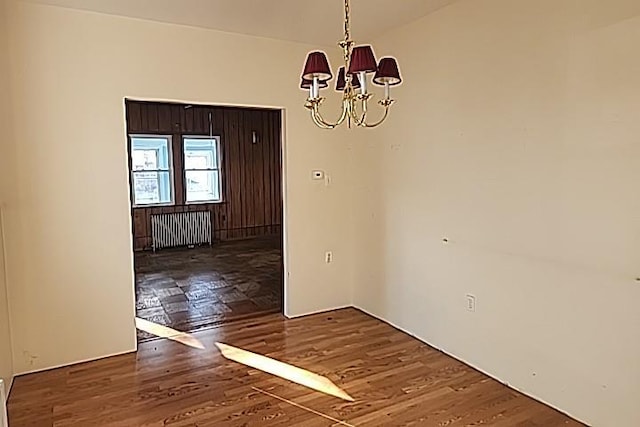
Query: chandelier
[359,62]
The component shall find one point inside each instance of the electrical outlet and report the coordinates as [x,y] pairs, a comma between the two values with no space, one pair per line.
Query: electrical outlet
[29,358]
[328,257]
[317,175]
[471,302]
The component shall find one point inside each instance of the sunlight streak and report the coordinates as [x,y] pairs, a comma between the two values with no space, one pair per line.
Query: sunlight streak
[283,370]
[168,333]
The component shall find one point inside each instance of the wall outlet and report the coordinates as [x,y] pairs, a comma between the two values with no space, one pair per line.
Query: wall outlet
[471,302]
[29,358]
[328,257]
[317,175]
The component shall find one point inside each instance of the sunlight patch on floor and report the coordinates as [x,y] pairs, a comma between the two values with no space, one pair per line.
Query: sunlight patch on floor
[168,333]
[283,370]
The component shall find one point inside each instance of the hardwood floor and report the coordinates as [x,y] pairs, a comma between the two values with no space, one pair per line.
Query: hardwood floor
[190,289]
[395,380]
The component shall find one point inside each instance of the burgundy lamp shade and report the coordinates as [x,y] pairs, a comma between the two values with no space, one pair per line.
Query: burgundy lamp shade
[317,65]
[387,73]
[362,60]
[341,83]
[355,82]
[306,84]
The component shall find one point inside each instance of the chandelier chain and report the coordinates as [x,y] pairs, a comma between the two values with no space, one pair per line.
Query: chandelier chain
[347,21]
[351,99]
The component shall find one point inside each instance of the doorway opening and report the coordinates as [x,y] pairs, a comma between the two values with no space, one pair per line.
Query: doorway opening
[206,197]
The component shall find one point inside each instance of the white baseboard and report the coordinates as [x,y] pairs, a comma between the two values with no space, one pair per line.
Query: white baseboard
[8,388]
[64,365]
[323,310]
[4,396]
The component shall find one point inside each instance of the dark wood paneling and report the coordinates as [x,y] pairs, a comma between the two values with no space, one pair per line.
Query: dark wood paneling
[251,173]
[152,118]
[134,118]
[164,119]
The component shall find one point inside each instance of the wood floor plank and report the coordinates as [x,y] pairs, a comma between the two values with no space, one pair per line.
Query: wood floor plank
[395,380]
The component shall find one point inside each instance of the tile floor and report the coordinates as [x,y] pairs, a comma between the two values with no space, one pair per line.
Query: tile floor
[190,289]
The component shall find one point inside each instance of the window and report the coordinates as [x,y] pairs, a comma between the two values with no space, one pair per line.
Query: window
[151,172]
[202,169]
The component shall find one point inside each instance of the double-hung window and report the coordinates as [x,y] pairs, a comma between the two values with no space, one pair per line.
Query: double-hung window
[202,169]
[151,170]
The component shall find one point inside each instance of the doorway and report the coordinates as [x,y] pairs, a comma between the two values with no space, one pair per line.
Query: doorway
[206,196]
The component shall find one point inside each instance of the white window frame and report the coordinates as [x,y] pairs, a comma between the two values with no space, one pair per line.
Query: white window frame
[172,188]
[218,169]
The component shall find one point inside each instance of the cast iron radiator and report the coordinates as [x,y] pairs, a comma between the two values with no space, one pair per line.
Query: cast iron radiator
[181,229]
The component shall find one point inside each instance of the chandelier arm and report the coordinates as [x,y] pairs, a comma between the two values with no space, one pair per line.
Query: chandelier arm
[318,122]
[345,111]
[317,116]
[379,122]
[386,104]
[359,119]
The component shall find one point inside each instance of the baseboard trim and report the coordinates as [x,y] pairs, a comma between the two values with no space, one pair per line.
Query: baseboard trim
[79,362]
[8,390]
[469,364]
[324,310]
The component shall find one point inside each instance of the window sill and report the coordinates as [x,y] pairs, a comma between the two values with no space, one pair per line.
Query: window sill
[206,202]
[155,205]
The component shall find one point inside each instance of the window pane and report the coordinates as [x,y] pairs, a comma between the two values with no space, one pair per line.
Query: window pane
[203,186]
[151,188]
[145,159]
[200,153]
[150,153]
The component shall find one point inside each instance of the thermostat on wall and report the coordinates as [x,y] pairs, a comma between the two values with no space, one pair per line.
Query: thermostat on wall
[317,174]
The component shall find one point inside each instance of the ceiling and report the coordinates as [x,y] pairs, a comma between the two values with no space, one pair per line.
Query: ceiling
[318,22]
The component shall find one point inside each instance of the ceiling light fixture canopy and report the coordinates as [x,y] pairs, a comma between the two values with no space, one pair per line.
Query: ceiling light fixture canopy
[359,61]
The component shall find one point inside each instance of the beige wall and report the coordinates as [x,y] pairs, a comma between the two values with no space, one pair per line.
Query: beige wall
[71,286]
[517,137]
[6,365]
